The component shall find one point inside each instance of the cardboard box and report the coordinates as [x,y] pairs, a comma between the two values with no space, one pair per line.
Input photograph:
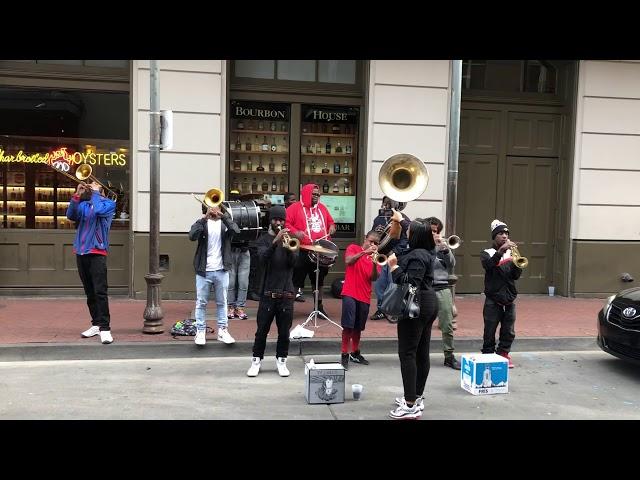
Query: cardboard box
[323,383]
[484,374]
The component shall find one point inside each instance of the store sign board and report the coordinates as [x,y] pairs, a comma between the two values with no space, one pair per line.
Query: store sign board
[332,115]
[261,111]
[61,155]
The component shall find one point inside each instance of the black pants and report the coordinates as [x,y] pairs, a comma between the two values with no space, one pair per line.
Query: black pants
[304,266]
[93,273]
[495,314]
[414,335]
[282,310]
[256,271]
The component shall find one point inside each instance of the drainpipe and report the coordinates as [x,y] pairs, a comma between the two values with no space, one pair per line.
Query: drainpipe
[454,146]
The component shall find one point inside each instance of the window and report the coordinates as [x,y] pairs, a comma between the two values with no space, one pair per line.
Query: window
[536,76]
[322,71]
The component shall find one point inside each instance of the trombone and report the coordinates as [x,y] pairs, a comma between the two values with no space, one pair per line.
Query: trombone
[84,174]
[213,198]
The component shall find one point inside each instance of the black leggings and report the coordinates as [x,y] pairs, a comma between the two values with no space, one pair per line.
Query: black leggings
[414,335]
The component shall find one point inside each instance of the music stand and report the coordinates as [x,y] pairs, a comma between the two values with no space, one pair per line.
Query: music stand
[314,314]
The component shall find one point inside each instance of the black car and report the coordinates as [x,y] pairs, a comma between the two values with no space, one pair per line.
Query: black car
[619,325]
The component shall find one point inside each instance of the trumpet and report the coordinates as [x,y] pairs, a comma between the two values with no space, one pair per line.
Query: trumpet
[518,259]
[379,258]
[290,242]
[454,242]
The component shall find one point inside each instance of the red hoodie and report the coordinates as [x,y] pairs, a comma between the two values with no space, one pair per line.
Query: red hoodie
[320,220]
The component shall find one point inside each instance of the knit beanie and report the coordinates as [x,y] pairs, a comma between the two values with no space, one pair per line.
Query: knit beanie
[277,211]
[497,227]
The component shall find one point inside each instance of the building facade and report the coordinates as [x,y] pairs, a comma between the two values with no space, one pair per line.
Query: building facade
[550,148]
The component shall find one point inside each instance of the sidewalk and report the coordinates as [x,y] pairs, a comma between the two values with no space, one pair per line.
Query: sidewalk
[51,321]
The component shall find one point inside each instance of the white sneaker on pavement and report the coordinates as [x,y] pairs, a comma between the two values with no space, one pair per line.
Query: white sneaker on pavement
[92,332]
[419,402]
[225,336]
[105,337]
[201,337]
[405,411]
[281,364]
[254,369]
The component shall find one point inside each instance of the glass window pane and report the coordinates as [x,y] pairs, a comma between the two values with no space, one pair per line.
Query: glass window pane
[541,77]
[62,62]
[107,63]
[302,70]
[255,68]
[337,71]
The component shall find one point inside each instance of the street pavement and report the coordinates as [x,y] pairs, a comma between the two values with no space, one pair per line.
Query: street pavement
[544,385]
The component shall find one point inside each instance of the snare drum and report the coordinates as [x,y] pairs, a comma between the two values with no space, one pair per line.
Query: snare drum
[325,259]
[246,215]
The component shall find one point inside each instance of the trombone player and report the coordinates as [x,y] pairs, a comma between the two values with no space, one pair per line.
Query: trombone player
[500,275]
[93,214]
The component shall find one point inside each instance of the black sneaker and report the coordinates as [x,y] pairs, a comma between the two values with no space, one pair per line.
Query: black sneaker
[378,315]
[321,309]
[344,360]
[299,296]
[452,362]
[356,357]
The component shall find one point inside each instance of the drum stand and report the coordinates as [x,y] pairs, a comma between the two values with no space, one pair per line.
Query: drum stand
[315,313]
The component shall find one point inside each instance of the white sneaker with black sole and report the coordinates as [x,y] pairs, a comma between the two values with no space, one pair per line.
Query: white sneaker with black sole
[201,337]
[254,369]
[406,412]
[92,332]
[105,337]
[419,402]
[281,364]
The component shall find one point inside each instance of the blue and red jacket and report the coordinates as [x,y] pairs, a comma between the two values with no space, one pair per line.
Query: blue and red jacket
[93,219]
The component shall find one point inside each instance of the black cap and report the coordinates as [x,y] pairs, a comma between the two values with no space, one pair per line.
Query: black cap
[277,211]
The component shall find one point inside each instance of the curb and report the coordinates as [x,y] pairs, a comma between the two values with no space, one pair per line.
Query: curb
[187,349]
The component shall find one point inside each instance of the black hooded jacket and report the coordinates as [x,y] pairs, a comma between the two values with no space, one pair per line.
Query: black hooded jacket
[500,274]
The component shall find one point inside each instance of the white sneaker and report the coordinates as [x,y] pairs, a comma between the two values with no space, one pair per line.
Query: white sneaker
[92,332]
[225,336]
[281,363]
[254,369]
[419,402]
[201,337]
[105,337]
[406,412]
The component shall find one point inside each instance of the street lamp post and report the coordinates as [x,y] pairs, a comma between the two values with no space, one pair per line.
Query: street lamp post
[153,314]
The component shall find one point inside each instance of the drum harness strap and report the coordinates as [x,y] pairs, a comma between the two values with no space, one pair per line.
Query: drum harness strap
[306,217]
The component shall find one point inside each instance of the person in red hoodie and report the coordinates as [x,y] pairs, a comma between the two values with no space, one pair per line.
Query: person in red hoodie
[309,220]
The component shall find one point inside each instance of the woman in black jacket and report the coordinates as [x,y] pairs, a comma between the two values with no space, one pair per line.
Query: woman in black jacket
[414,334]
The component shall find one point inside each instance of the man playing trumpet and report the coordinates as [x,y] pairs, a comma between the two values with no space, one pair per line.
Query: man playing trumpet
[360,271]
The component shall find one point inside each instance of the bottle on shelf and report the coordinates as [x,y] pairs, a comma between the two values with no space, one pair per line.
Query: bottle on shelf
[335,187]
[265,185]
[283,127]
[254,186]
[326,168]
[335,128]
[238,144]
[284,168]
[272,127]
[346,187]
[237,164]
[325,186]
[274,147]
[336,166]
[318,149]
[245,185]
[347,148]
[346,170]
[240,125]
[235,185]
[260,125]
[283,185]
[338,148]
[272,165]
[309,147]
[265,145]
[260,167]
[327,147]
[249,164]
[312,168]
[274,185]
[247,145]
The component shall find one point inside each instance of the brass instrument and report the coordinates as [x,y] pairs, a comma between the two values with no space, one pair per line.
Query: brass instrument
[454,242]
[379,258]
[403,177]
[213,198]
[518,259]
[84,174]
[292,243]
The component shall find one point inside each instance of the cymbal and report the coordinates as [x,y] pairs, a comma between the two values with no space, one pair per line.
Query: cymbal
[317,248]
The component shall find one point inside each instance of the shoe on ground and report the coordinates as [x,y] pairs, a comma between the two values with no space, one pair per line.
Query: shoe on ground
[300,296]
[378,315]
[254,369]
[356,357]
[406,412]
[392,319]
[418,403]
[240,313]
[508,357]
[231,313]
[454,325]
[452,362]
[344,360]
[92,332]
[281,364]
[321,310]
[201,337]
[225,337]
[105,337]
